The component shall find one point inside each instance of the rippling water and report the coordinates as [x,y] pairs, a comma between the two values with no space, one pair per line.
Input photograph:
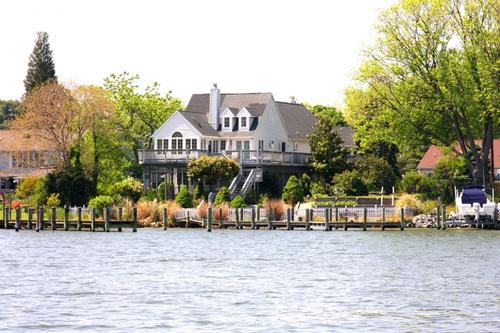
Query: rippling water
[250,281]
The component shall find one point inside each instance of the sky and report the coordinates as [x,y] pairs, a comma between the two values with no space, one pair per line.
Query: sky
[309,49]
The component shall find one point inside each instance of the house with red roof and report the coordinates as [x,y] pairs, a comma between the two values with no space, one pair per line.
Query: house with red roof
[434,154]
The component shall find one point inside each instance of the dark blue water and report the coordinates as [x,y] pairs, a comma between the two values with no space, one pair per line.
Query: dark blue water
[250,281]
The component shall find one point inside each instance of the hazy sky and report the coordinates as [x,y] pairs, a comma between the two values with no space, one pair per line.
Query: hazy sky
[308,49]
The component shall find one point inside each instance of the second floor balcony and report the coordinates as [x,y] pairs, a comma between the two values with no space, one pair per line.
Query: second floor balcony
[243,157]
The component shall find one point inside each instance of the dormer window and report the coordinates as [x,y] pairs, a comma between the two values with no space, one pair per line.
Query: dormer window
[244,121]
[227,122]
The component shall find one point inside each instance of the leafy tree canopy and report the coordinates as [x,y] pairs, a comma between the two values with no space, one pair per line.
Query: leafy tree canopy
[213,169]
[432,77]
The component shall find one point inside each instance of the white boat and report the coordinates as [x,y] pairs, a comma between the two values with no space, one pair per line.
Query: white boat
[473,204]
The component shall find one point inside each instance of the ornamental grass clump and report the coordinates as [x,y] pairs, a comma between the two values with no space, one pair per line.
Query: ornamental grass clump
[276,206]
[172,208]
[221,212]
[202,210]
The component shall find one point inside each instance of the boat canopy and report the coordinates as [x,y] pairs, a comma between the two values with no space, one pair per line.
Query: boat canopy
[473,194]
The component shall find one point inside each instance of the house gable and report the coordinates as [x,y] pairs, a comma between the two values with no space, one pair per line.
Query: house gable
[176,123]
[271,130]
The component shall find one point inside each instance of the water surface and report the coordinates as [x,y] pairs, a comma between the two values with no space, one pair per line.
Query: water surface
[250,281]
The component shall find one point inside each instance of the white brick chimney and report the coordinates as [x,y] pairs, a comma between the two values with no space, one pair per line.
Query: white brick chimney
[213,116]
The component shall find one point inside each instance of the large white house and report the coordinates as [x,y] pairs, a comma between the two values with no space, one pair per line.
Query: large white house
[261,134]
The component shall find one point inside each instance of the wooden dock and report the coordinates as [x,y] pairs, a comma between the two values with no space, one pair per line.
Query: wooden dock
[111,219]
[331,221]
[36,219]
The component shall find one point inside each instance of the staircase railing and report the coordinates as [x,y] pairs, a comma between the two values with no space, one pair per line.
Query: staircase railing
[234,184]
[249,181]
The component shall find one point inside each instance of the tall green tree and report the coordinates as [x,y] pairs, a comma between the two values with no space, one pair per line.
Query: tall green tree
[328,156]
[433,76]
[41,65]
[139,114]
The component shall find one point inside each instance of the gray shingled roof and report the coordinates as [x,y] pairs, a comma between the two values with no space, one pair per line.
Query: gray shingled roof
[297,119]
[199,121]
[254,102]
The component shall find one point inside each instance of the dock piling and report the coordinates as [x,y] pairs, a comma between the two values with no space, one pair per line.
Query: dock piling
[209,220]
[365,218]
[165,218]
[53,216]
[106,218]
[402,218]
[66,218]
[443,223]
[30,218]
[18,218]
[252,223]
[288,217]
[237,216]
[79,219]
[92,219]
[134,222]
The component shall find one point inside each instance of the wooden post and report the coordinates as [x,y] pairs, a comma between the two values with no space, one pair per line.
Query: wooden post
[236,212]
[165,218]
[66,218]
[308,216]
[18,218]
[42,215]
[38,220]
[105,212]
[220,218]
[288,217]
[92,219]
[311,218]
[270,219]
[253,219]
[438,213]
[120,218]
[209,221]
[6,215]
[443,223]
[258,214]
[53,218]
[79,219]
[134,222]
[402,215]
[327,218]
[30,218]
[365,218]
[383,214]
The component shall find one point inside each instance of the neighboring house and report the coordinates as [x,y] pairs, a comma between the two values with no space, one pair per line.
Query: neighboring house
[22,155]
[434,154]
[261,134]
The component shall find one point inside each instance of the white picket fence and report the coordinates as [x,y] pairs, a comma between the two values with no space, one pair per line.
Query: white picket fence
[351,213]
